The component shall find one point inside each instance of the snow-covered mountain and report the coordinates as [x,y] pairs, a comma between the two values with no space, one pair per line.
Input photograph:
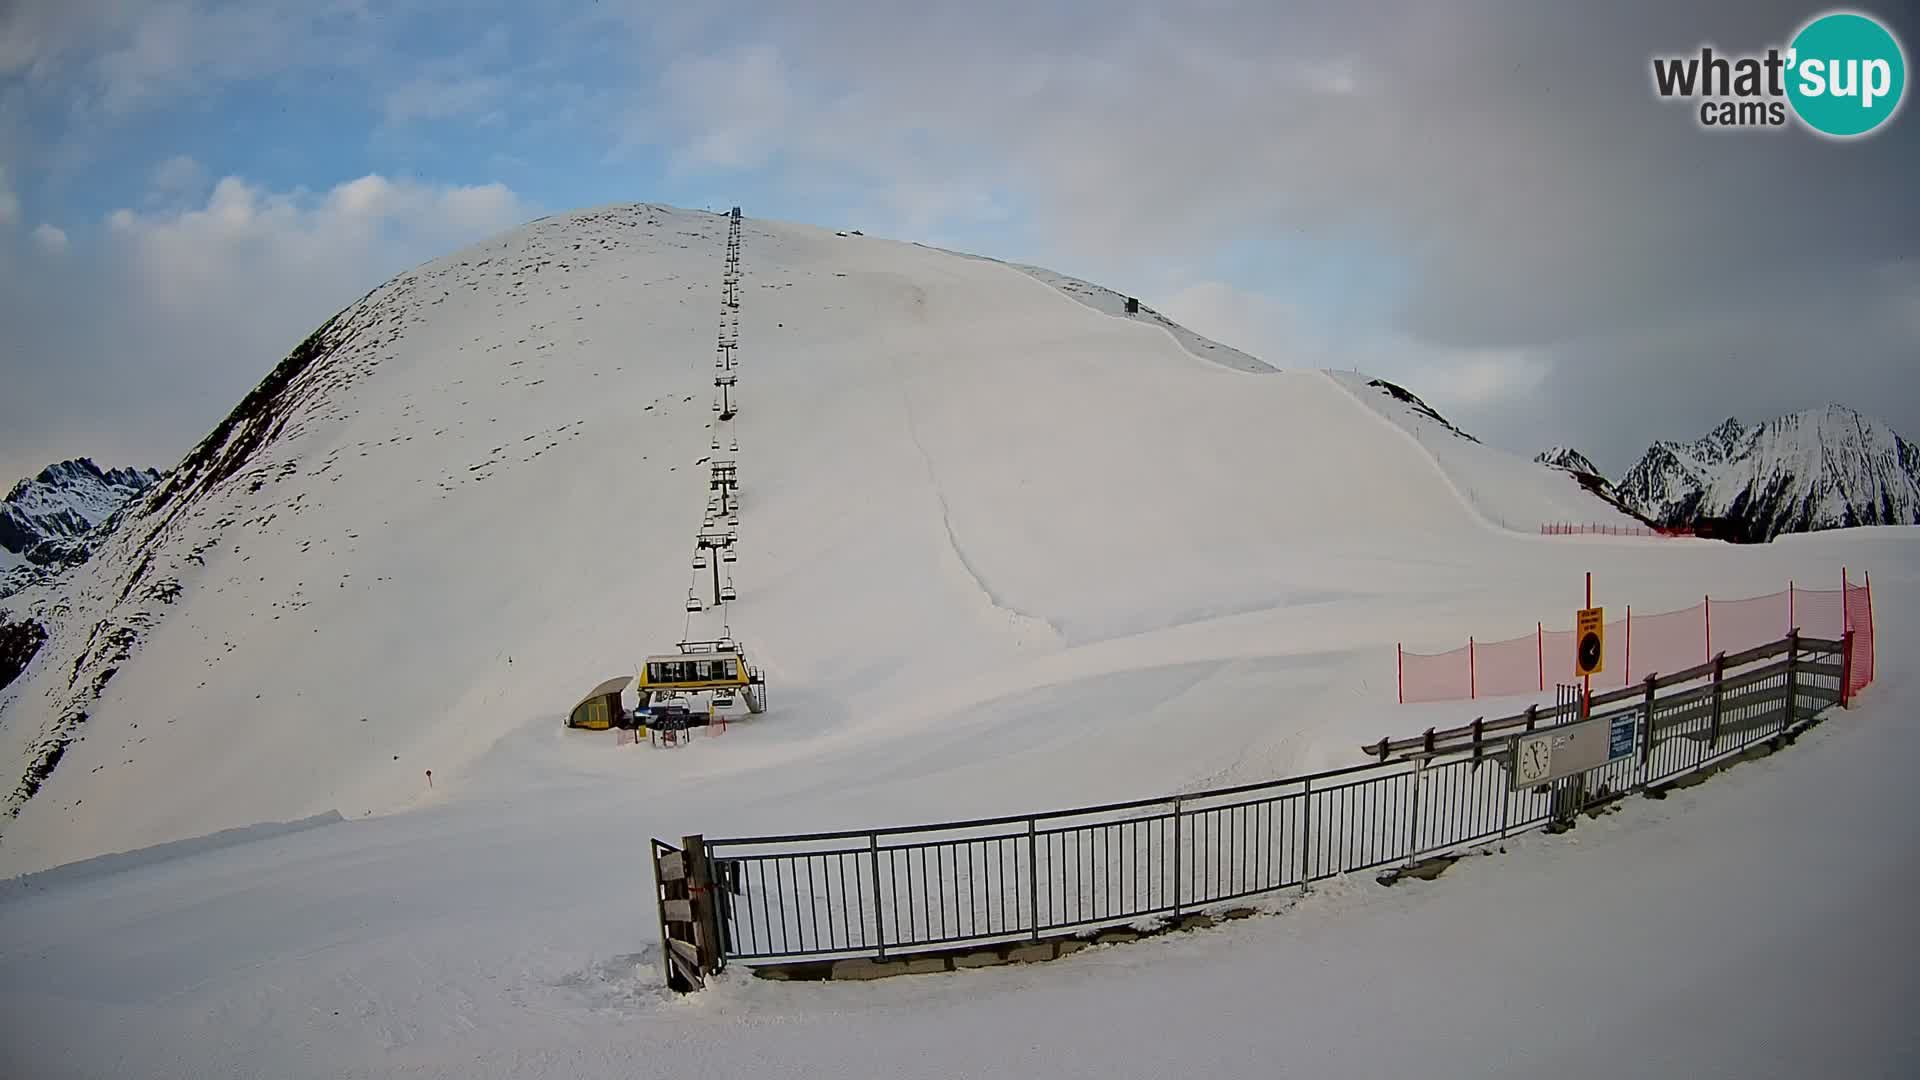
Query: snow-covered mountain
[1818,469]
[1573,461]
[65,501]
[473,494]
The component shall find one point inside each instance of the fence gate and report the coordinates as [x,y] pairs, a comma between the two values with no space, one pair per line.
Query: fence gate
[689,946]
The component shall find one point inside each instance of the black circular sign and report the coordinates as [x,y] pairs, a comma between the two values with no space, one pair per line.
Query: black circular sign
[1589,651]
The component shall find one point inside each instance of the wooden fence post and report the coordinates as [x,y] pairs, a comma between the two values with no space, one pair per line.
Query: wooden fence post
[1846,664]
[706,932]
[1719,674]
[1707,619]
[1793,687]
[1646,739]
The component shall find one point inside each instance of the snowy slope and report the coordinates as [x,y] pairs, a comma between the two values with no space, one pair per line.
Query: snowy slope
[1742,928]
[1109,302]
[986,527]
[65,500]
[1505,490]
[1819,469]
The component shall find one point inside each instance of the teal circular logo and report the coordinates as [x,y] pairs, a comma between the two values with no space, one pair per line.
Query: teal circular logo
[1846,74]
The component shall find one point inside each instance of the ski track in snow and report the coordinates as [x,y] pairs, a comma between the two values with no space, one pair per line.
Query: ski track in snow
[1019,618]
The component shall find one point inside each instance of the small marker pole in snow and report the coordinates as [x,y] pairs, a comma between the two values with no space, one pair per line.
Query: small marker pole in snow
[429,778]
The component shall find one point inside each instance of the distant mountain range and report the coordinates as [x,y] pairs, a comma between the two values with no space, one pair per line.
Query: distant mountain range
[1824,468]
[44,517]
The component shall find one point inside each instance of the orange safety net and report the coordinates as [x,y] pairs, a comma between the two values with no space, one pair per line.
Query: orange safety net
[1445,677]
[1820,613]
[1642,645]
[1507,667]
[1739,625]
[1859,618]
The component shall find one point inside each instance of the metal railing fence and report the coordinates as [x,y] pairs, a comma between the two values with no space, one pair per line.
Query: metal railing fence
[888,891]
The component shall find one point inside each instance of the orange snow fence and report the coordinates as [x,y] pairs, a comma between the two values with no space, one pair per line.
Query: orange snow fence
[1640,645]
[1589,528]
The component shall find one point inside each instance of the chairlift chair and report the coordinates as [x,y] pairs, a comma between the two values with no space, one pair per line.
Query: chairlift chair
[727,593]
[727,554]
[700,558]
[693,600]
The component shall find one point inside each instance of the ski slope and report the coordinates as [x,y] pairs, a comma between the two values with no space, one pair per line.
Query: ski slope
[1747,927]
[988,527]
[1507,490]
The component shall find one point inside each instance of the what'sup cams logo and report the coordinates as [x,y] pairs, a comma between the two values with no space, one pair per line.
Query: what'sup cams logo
[1843,75]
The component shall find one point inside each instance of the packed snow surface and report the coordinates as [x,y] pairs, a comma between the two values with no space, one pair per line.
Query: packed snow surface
[1756,926]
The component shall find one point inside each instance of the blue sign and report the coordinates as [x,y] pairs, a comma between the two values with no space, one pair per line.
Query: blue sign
[1620,736]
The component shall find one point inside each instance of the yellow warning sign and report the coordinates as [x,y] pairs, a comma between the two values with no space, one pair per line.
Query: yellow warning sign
[1590,641]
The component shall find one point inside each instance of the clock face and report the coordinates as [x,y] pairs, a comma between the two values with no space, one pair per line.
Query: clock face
[1534,759]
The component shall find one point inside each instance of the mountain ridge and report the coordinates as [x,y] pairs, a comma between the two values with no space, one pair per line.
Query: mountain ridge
[1821,468]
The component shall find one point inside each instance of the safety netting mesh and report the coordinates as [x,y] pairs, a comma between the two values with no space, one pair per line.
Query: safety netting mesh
[1859,619]
[1738,625]
[1639,645]
[1447,676]
[1507,667]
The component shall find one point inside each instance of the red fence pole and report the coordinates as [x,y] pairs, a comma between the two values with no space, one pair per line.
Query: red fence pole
[1627,680]
[1540,649]
[1709,622]
[1790,622]
[1473,681]
[1400,672]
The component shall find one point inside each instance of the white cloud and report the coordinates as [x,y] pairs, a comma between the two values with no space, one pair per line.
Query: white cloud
[247,240]
[51,239]
[431,98]
[180,176]
[1477,379]
[205,299]
[735,104]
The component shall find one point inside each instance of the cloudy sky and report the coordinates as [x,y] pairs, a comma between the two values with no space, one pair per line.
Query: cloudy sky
[1484,201]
